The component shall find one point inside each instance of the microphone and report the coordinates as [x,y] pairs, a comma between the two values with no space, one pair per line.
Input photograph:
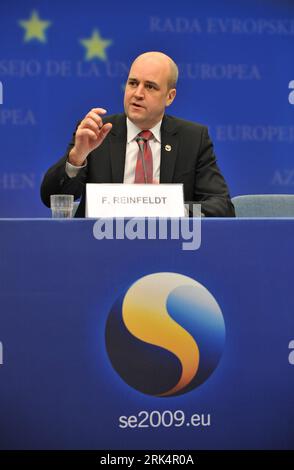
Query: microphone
[141,141]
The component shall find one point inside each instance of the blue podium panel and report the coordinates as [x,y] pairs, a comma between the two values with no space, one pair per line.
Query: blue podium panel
[125,344]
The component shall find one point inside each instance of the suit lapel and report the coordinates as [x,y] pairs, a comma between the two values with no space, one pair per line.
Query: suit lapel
[118,139]
[169,149]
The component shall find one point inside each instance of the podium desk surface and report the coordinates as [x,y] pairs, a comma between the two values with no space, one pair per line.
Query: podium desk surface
[140,344]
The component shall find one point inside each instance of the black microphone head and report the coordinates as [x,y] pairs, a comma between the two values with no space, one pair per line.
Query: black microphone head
[140,139]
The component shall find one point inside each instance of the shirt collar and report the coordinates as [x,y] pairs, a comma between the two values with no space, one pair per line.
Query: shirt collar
[133,131]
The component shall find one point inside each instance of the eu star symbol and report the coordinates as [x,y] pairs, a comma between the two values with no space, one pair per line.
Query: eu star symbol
[35,27]
[96,46]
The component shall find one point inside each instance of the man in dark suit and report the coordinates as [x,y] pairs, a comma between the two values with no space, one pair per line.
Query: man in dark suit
[182,151]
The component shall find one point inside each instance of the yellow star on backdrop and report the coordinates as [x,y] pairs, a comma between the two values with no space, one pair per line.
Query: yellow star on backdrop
[96,46]
[35,27]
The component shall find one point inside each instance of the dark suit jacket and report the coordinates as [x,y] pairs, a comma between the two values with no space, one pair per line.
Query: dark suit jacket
[191,161]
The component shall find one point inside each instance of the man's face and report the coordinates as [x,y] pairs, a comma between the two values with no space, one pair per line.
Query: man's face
[147,93]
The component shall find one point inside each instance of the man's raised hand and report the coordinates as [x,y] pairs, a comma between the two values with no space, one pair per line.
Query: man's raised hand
[89,135]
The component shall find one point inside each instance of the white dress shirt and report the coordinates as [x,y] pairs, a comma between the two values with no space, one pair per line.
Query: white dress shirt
[132,150]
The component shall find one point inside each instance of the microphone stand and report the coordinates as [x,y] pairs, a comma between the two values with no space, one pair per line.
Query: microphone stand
[141,141]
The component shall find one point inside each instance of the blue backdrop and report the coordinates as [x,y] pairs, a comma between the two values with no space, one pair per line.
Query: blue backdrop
[58,60]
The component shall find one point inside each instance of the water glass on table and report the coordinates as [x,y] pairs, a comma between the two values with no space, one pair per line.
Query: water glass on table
[62,206]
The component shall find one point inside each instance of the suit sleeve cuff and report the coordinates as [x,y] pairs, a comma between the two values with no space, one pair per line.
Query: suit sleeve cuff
[72,171]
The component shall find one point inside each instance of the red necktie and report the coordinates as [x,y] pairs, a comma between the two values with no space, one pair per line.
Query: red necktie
[141,175]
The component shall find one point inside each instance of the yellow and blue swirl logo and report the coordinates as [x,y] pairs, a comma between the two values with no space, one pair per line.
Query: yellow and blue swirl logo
[165,335]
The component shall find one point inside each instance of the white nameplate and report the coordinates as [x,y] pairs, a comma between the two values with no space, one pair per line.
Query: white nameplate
[134,200]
